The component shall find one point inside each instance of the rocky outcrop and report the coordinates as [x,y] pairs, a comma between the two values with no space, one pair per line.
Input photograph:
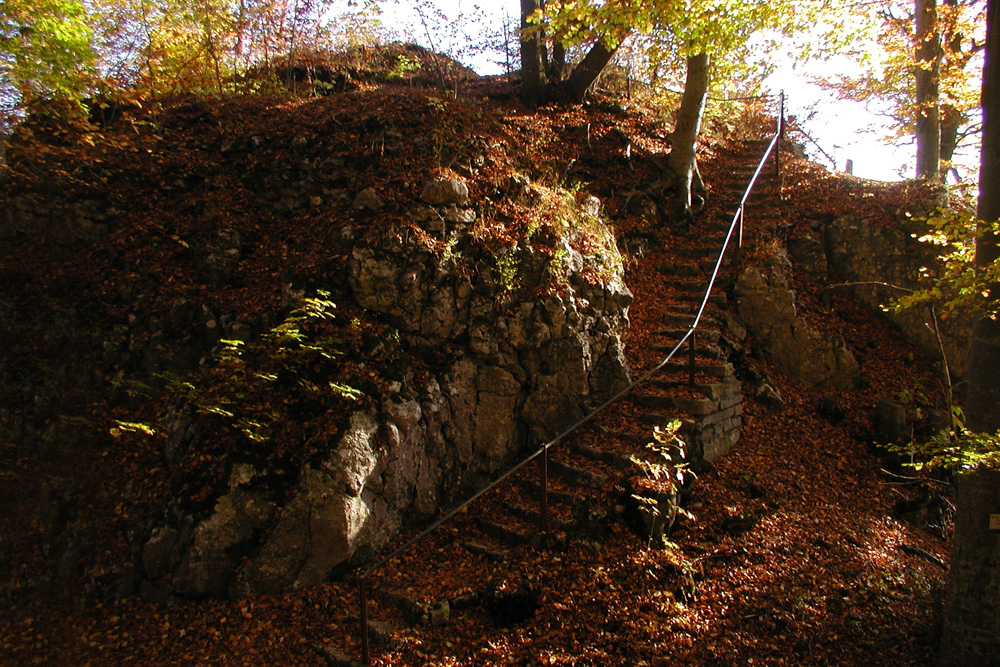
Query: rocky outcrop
[530,345]
[879,263]
[766,305]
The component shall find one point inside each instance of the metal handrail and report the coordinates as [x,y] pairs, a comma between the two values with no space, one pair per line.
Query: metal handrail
[543,451]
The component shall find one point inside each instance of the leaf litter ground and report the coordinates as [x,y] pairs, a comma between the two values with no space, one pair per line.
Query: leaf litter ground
[793,556]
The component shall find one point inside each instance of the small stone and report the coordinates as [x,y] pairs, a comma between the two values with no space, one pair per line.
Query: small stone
[316,200]
[368,200]
[441,191]
[591,205]
[456,215]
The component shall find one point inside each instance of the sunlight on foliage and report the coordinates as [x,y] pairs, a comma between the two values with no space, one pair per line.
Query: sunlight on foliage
[959,284]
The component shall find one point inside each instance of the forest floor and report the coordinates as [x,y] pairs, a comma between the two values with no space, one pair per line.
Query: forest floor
[794,555]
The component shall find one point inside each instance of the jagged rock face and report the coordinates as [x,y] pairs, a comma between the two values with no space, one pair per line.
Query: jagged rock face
[766,305]
[517,371]
[879,260]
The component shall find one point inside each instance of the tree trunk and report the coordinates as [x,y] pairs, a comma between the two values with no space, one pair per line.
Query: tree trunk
[557,63]
[927,54]
[533,86]
[972,623]
[585,74]
[951,123]
[683,152]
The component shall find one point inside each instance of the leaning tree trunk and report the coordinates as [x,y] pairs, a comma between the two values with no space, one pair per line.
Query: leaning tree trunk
[532,73]
[927,54]
[682,159]
[585,74]
[972,622]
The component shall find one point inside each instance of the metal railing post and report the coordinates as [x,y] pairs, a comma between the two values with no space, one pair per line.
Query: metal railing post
[543,464]
[694,333]
[366,658]
[781,135]
[739,237]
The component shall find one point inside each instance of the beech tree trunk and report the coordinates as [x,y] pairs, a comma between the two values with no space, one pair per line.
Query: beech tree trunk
[682,158]
[533,86]
[972,623]
[927,54]
[951,123]
[585,74]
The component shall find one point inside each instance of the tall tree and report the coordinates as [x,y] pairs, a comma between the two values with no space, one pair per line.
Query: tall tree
[697,31]
[907,78]
[45,52]
[686,129]
[972,623]
[927,73]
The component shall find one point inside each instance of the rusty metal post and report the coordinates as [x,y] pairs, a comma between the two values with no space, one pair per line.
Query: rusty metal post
[366,658]
[781,135]
[739,237]
[691,347]
[543,464]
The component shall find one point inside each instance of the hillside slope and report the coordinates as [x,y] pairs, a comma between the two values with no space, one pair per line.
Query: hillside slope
[234,208]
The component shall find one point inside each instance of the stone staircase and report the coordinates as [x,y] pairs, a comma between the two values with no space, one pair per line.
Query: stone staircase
[588,487]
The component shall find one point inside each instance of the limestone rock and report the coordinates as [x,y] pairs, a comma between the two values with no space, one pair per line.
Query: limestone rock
[766,305]
[368,200]
[442,191]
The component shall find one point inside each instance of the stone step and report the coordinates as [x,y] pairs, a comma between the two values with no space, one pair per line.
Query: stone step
[435,613]
[704,333]
[720,224]
[335,657]
[682,318]
[688,269]
[485,551]
[698,252]
[720,371]
[554,495]
[614,459]
[577,476]
[533,515]
[706,351]
[713,390]
[716,298]
[506,533]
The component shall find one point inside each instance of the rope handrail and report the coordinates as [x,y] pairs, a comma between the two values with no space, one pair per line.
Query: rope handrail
[689,335]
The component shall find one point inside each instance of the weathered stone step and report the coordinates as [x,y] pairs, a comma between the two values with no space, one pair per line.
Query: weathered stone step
[684,319]
[695,406]
[713,390]
[554,495]
[706,351]
[720,224]
[704,333]
[613,459]
[715,298]
[485,551]
[335,657]
[505,533]
[688,269]
[577,476]
[698,251]
[676,365]
[533,515]
[433,614]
